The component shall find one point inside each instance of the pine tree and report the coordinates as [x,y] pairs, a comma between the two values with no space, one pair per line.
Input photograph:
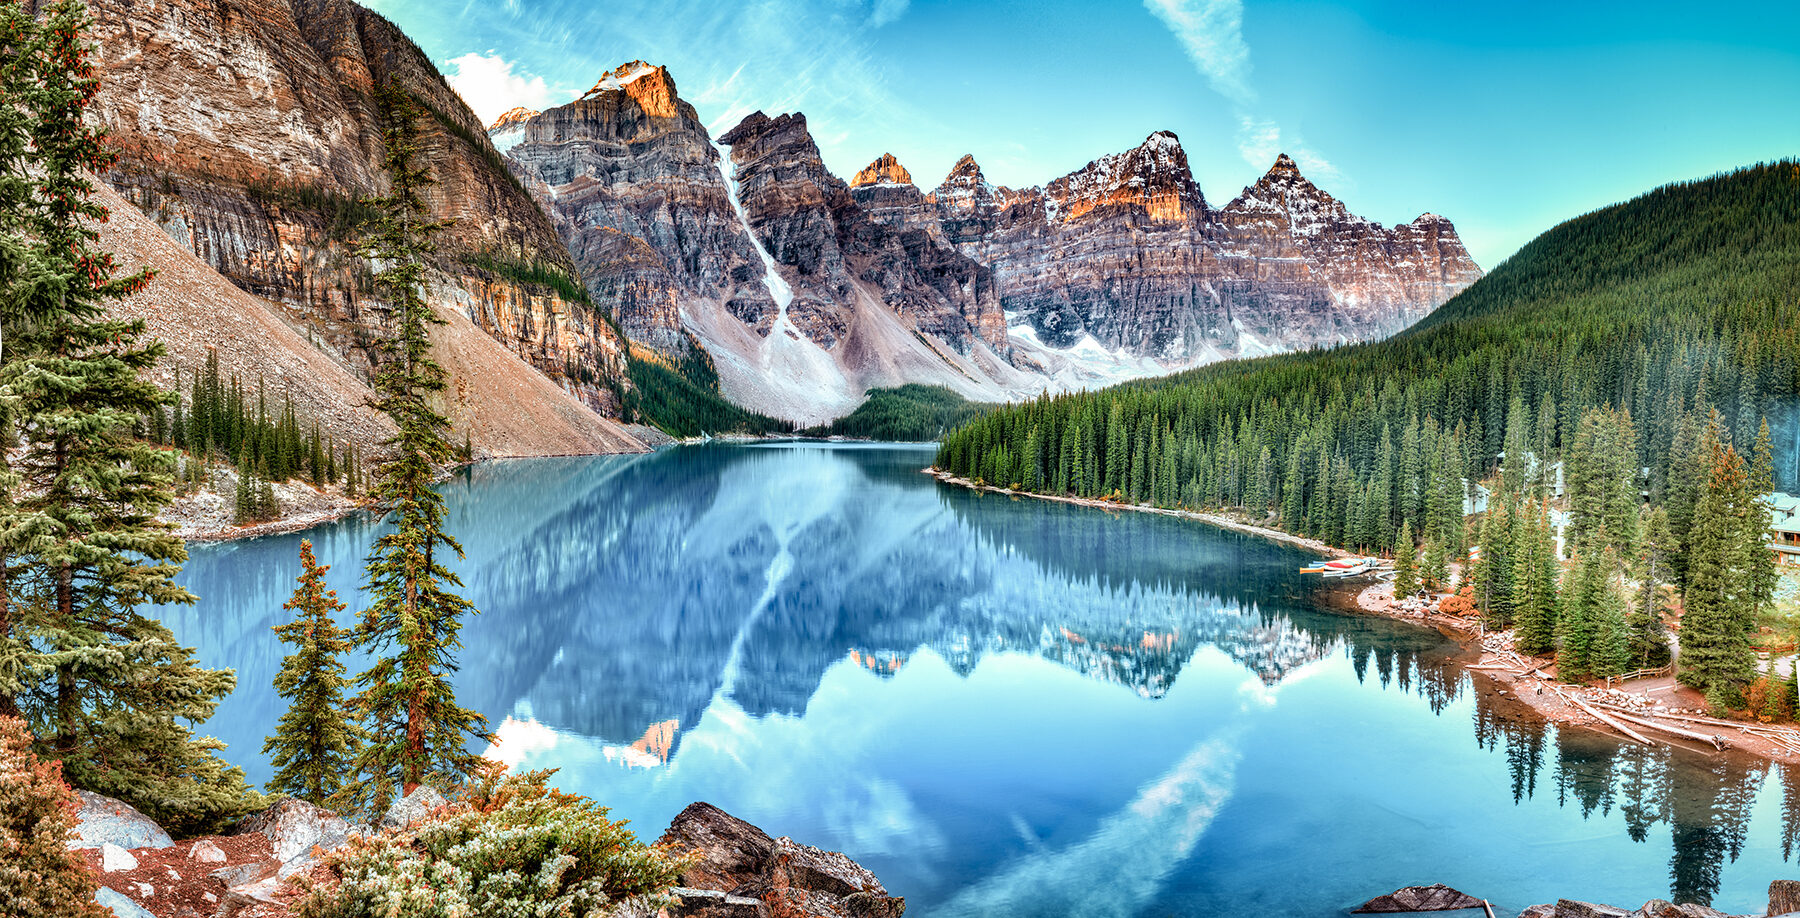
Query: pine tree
[107,689]
[1716,654]
[1406,560]
[1535,573]
[244,502]
[415,731]
[20,300]
[1764,574]
[315,743]
[1579,626]
[1491,574]
[1435,570]
[1649,637]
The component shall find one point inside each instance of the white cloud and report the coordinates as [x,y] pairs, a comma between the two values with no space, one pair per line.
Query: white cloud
[887,11]
[1212,32]
[1259,141]
[487,82]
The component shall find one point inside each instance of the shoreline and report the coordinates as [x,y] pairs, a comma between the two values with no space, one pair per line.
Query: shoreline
[1655,710]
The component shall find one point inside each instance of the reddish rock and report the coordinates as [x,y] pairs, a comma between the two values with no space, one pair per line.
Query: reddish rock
[789,879]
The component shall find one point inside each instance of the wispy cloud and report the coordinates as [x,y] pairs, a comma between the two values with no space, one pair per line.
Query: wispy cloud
[886,11]
[1212,33]
[489,83]
[1259,141]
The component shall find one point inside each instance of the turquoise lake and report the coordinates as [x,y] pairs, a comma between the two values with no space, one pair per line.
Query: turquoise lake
[1006,706]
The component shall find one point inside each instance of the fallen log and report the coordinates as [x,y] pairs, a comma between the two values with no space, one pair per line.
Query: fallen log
[1711,739]
[1603,718]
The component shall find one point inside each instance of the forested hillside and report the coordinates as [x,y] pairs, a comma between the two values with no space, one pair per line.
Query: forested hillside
[1630,342]
[912,412]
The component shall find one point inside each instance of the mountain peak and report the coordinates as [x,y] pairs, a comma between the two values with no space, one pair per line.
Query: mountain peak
[1285,167]
[885,170]
[619,77]
[512,118]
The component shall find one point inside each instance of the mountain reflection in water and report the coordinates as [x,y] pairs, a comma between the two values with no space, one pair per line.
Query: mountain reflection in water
[1005,705]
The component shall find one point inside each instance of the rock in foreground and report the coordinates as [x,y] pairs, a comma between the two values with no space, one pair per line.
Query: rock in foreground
[758,875]
[103,821]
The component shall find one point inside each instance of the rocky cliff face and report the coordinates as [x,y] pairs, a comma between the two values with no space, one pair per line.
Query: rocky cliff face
[249,132]
[759,256]
[633,183]
[1127,252]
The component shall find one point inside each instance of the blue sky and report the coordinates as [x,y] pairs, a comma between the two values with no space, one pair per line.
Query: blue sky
[1505,117]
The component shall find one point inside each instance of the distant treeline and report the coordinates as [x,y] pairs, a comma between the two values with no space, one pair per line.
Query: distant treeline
[681,397]
[912,412]
[215,420]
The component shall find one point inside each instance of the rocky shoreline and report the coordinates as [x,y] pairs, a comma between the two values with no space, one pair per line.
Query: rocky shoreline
[256,868]
[1654,710]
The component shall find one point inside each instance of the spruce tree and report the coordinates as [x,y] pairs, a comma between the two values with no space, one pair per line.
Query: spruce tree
[105,688]
[20,300]
[316,742]
[1649,637]
[1535,573]
[1716,654]
[415,731]
[1435,571]
[1406,563]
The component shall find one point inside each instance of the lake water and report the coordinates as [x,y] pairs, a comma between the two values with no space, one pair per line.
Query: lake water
[1006,706]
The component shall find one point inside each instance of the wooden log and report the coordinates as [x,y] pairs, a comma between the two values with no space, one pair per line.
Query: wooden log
[1710,739]
[1603,718]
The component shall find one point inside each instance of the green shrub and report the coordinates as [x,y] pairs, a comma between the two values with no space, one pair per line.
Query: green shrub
[509,846]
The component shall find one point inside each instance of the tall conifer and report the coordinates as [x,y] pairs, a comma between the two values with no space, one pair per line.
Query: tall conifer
[315,742]
[104,688]
[415,730]
[1716,655]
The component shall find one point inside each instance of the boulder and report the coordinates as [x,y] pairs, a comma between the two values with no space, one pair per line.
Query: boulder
[1539,911]
[411,808]
[114,859]
[1684,910]
[1434,898]
[1653,908]
[1784,897]
[242,874]
[250,896]
[299,832]
[120,904]
[742,865]
[731,852]
[1571,908]
[830,872]
[103,819]
[206,851]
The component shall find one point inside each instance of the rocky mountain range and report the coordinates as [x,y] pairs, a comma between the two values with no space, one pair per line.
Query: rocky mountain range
[1118,270]
[250,136]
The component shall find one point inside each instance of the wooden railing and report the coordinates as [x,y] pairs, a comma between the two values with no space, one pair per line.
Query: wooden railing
[1662,670]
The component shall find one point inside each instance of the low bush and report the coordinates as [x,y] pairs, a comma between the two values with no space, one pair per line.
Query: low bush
[39,877]
[509,846]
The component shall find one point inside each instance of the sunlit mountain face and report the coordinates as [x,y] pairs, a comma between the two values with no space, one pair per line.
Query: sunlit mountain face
[1003,705]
